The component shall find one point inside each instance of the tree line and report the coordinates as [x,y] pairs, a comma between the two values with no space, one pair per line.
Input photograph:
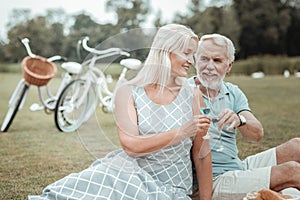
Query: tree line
[257,27]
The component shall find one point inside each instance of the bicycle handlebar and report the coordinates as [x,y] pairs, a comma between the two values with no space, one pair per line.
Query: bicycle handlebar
[57,57]
[25,42]
[101,52]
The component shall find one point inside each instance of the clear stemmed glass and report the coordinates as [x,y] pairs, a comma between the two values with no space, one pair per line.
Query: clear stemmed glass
[217,106]
[214,108]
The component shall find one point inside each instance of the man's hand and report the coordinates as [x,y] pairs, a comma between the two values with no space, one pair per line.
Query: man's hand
[228,117]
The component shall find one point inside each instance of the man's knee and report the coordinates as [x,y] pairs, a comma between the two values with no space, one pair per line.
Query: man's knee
[294,173]
[288,151]
[293,165]
[285,175]
[289,169]
[295,142]
[294,149]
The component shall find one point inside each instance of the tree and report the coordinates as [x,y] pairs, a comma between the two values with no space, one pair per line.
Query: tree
[45,39]
[97,34]
[15,26]
[264,26]
[293,36]
[38,33]
[57,38]
[57,20]
[130,13]
[157,21]
[214,19]
[83,21]
[57,15]
[18,16]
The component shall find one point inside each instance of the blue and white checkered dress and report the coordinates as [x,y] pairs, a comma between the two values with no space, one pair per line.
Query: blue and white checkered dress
[165,174]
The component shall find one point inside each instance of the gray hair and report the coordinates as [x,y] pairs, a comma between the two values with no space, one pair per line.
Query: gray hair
[221,40]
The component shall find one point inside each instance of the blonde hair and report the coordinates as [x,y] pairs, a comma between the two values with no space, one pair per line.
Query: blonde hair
[157,66]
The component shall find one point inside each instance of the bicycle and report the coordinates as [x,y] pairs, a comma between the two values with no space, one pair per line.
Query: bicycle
[93,84]
[38,71]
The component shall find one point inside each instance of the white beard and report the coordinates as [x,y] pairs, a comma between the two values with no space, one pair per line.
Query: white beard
[211,84]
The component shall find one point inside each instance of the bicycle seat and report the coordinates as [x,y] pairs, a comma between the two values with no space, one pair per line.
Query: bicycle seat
[131,63]
[72,67]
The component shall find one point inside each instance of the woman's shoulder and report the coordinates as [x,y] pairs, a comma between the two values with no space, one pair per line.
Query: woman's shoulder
[129,90]
[124,87]
[123,91]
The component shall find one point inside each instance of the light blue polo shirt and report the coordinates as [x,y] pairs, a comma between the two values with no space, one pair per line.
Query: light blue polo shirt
[226,160]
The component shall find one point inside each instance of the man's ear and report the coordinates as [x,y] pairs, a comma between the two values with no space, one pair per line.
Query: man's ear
[229,67]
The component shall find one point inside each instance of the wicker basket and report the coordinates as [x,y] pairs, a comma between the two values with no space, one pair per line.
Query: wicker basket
[38,71]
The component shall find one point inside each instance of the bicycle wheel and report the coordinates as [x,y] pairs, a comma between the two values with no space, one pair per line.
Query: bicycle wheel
[14,105]
[73,104]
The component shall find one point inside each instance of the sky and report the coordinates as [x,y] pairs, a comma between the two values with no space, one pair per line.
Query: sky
[95,8]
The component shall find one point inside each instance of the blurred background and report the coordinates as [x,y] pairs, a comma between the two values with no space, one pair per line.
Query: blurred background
[266,29]
[34,153]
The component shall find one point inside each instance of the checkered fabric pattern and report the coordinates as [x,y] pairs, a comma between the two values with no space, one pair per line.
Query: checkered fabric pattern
[165,174]
[170,165]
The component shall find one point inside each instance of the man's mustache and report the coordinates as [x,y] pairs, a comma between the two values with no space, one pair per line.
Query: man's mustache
[210,74]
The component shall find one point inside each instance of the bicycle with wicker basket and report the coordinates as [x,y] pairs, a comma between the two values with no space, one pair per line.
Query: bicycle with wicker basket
[38,71]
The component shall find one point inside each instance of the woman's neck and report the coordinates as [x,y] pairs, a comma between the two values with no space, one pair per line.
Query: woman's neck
[164,95]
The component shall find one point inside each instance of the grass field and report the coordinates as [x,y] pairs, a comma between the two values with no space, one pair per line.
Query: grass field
[34,153]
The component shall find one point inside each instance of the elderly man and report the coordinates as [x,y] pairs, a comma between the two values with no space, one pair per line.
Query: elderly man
[277,168]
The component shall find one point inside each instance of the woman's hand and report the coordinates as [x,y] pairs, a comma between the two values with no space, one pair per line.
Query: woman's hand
[199,124]
[203,125]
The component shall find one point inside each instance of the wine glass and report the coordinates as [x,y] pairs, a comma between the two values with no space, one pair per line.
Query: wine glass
[213,109]
[217,106]
[206,111]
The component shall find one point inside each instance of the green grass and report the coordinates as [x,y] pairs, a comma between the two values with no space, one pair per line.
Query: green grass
[34,153]
[10,67]
[275,102]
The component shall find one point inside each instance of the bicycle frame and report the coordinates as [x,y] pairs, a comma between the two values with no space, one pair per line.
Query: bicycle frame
[13,96]
[80,97]
[98,77]
[50,102]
